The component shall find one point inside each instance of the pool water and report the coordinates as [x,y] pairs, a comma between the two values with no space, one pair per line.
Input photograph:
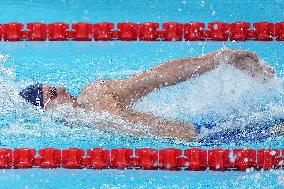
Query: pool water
[75,64]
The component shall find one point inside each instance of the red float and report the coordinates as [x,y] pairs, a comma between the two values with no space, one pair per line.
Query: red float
[169,158]
[172,31]
[57,31]
[36,31]
[147,158]
[71,158]
[99,158]
[219,31]
[238,31]
[251,34]
[70,35]
[6,158]
[103,31]
[264,31]
[12,31]
[148,31]
[245,158]
[23,157]
[220,159]
[128,31]
[120,158]
[134,163]
[267,158]
[49,158]
[279,31]
[86,162]
[193,31]
[196,159]
[83,31]
[24,35]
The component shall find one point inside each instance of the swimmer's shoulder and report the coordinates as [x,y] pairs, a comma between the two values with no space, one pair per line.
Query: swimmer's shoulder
[101,86]
[88,95]
[98,94]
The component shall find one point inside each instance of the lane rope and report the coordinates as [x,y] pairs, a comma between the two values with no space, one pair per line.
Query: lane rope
[193,159]
[147,31]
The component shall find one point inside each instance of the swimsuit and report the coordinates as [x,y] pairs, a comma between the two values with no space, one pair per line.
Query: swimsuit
[256,132]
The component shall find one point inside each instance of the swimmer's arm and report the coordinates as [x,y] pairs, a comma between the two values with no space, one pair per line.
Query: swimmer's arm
[175,71]
[167,74]
[156,126]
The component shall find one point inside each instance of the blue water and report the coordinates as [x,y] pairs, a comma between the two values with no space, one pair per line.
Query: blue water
[75,64]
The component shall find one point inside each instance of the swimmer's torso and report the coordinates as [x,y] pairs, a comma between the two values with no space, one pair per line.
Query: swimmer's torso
[110,94]
[98,96]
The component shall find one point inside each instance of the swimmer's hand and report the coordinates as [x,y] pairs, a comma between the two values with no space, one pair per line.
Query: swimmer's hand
[246,61]
[177,129]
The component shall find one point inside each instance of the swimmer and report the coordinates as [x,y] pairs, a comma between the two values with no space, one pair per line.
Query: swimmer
[118,96]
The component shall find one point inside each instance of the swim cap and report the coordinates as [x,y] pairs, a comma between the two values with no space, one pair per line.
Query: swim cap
[33,94]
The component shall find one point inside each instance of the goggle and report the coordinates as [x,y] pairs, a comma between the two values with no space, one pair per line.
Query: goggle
[53,95]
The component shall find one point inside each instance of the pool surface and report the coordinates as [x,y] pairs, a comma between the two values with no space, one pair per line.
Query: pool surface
[225,96]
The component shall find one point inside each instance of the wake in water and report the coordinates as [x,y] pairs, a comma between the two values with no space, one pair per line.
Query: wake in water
[237,106]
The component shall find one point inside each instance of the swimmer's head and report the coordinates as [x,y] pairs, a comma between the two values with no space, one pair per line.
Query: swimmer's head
[33,94]
[47,96]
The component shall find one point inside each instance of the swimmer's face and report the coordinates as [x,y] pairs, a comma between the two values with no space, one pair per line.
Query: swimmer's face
[55,96]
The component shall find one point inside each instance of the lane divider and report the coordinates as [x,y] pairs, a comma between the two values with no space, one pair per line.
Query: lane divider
[194,159]
[147,31]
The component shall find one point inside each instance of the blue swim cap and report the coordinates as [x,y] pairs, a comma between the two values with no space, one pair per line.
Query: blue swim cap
[33,94]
